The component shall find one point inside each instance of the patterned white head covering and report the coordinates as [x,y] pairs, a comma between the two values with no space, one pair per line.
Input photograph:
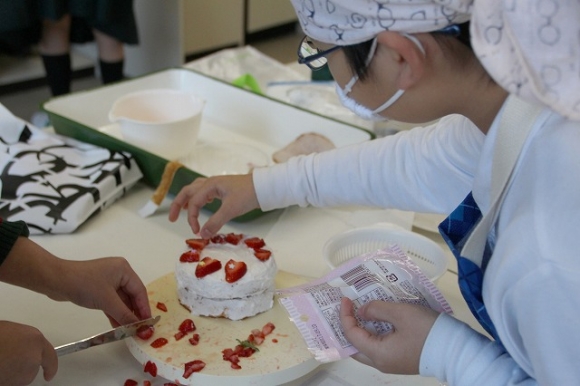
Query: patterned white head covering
[530,47]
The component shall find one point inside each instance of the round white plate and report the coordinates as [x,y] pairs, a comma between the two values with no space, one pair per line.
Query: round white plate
[277,362]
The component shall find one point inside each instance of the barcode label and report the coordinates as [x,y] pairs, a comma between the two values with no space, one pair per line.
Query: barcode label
[360,278]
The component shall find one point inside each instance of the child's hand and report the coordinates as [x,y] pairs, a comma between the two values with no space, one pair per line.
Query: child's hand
[23,351]
[236,193]
[398,352]
[108,284]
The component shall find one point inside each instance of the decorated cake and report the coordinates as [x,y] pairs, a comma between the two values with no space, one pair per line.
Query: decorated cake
[230,275]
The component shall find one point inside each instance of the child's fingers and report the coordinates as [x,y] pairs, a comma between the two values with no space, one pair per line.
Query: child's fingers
[354,334]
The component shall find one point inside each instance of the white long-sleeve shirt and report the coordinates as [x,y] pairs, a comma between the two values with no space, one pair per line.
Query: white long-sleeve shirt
[532,281]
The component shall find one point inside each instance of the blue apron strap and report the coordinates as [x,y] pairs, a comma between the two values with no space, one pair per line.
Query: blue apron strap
[466,230]
[456,229]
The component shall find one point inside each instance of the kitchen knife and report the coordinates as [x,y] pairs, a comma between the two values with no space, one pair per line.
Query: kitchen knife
[113,335]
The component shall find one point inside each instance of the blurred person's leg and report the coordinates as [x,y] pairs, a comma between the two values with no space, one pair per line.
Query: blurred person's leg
[54,47]
[111,57]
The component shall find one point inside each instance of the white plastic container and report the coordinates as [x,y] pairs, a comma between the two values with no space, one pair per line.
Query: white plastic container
[222,158]
[163,121]
[424,252]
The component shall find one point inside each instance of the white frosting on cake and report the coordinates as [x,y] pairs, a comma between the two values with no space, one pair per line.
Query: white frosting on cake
[234,309]
[211,295]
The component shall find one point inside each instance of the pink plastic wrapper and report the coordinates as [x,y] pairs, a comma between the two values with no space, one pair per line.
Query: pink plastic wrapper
[387,274]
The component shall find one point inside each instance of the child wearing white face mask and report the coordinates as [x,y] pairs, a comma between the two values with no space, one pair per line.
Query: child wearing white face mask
[504,170]
[363,111]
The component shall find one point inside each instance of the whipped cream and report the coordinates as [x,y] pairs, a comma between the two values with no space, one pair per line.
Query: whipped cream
[211,295]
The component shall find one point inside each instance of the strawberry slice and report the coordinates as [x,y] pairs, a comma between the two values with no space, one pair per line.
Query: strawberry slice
[235,270]
[187,326]
[159,342]
[234,238]
[194,340]
[161,306]
[130,382]
[145,332]
[178,335]
[218,239]
[227,354]
[191,256]
[151,368]
[255,242]
[193,367]
[197,244]
[206,266]
[258,336]
[268,328]
[262,254]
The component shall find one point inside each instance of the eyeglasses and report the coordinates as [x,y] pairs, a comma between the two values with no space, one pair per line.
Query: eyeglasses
[311,56]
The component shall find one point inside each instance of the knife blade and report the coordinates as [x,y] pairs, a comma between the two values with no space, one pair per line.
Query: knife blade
[113,335]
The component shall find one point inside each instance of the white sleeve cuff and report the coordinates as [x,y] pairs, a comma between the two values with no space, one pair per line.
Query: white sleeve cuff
[272,187]
[459,355]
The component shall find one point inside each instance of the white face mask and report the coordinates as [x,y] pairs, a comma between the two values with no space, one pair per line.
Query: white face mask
[363,111]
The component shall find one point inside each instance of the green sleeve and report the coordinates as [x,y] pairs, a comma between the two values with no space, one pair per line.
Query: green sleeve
[9,232]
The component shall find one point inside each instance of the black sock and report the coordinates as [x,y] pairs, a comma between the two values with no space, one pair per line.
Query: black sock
[58,73]
[111,71]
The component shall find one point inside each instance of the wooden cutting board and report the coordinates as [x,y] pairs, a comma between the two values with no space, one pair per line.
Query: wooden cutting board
[283,356]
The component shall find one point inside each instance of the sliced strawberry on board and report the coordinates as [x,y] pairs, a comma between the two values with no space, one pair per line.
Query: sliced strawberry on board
[235,359]
[191,256]
[268,328]
[193,367]
[262,254]
[159,342]
[130,382]
[206,266]
[187,326]
[235,270]
[255,242]
[258,336]
[161,306]
[150,368]
[145,332]
[197,244]
[227,354]
[194,340]
[178,335]
[234,238]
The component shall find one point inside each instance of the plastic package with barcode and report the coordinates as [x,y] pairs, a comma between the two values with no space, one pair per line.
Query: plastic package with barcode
[387,274]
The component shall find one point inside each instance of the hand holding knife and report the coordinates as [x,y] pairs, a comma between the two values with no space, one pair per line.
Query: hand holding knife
[113,335]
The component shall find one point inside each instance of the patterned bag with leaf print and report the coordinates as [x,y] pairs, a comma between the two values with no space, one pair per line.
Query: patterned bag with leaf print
[55,183]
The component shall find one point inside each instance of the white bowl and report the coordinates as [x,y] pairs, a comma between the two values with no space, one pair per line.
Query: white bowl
[163,121]
[424,252]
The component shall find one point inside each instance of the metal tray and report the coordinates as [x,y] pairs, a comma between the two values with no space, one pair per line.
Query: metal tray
[231,114]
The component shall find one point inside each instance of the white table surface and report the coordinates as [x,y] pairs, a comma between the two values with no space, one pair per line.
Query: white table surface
[151,246]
